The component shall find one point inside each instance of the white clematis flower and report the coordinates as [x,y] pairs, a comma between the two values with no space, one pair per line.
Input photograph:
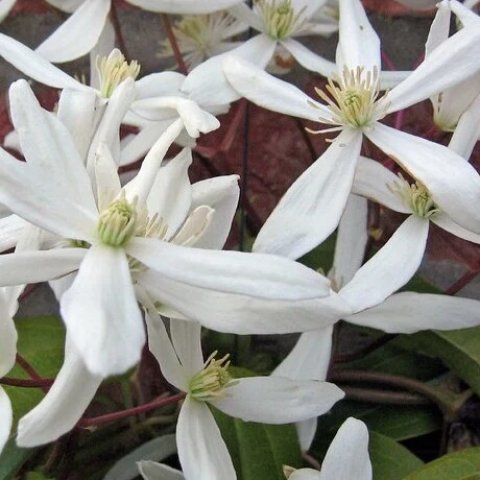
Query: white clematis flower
[201,449]
[115,234]
[353,108]
[346,458]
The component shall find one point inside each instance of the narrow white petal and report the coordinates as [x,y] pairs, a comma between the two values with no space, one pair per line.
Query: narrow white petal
[372,180]
[309,358]
[222,194]
[410,312]
[5,7]
[270,92]
[194,227]
[35,66]
[78,34]
[453,183]
[171,194]
[352,238]
[347,457]
[311,209]
[38,266]
[183,6]
[358,45]
[390,268]
[457,54]
[8,340]
[63,405]
[440,28]
[159,85]
[103,47]
[101,312]
[11,228]
[106,176]
[247,15]
[466,134]
[66,5]
[207,83]
[254,274]
[242,314]
[201,449]
[158,471]
[6,416]
[310,60]
[186,337]
[445,222]
[305,474]
[278,400]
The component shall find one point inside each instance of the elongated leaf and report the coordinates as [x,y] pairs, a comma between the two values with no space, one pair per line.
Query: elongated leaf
[390,460]
[12,459]
[463,465]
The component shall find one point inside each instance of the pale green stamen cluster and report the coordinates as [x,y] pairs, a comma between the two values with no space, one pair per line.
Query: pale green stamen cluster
[352,98]
[196,29]
[279,18]
[118,223]
[211,382]
[113,70]
[416,197]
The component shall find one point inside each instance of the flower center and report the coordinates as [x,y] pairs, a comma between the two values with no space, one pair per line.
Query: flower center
[416,197]
[279,17]
[118,223]
[211,382]
[113,70]
[352,98]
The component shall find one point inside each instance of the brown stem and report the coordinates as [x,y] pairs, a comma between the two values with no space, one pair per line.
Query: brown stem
[43,383]
[384,397]
[174,44]
[460,283]
[112,417]
[33,374]
[360,353]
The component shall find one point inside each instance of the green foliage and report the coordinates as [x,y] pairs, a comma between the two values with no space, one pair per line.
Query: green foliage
[463,465]
[390,460]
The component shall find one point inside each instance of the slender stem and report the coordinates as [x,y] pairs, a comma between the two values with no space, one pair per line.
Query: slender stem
[384,397]
[244,179]
[43,383]
[174,44]
[349,357]
[118,32]
[460,283]
[311,460]
[115,416]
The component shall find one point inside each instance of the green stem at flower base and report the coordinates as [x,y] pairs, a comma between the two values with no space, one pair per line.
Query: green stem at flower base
[174,44]
[448,402]
[122,414]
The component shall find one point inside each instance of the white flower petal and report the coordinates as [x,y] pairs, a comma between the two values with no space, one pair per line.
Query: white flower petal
[467,132]
[63,405]
[106,176]
[78,34]
[157,471]
[254,274]
[101,312]
[242,314]
[247,15]
[453,183]
[347,457]
[159,85]
[445,222]
[277,400]
[5,7]
[372,180]
[6,416]
[183,6]
[410,312]
[77,110]
[207,83]
[222,194]
[194,227]
[310,60]
[390,268]
[201,449]
[440,28]
[171,194]
[66,5]
[305,474]
[457,55]
[186,338]
[358,44]
[35,66]
[11,228]
[103,47]
[270,92]
[8,340]
[311,208]
[352,238]
[38,266]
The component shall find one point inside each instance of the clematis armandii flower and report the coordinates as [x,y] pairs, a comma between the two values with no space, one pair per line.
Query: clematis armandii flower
[353,108]
[274,400]
[346,458]
[111,235]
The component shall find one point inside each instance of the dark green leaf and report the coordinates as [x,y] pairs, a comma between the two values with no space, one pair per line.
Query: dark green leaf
[12,459]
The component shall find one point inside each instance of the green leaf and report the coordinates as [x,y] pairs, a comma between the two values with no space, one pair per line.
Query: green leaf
[257,450]
[390,460]
[12,459]
[322,256]
[458,349]
[463,465]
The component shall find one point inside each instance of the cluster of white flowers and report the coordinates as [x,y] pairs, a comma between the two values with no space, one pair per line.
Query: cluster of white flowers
[121,254]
